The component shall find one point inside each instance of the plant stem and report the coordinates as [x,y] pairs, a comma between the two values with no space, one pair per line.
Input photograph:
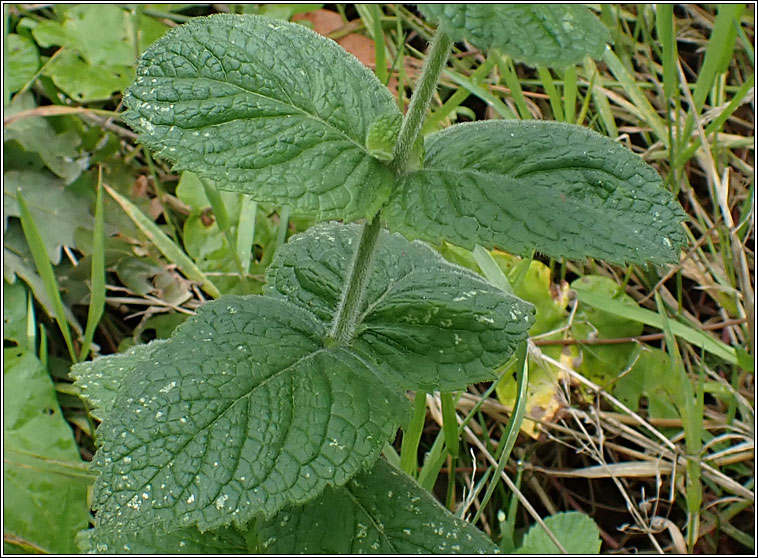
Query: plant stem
[422,96]
[344,323]
[343,327]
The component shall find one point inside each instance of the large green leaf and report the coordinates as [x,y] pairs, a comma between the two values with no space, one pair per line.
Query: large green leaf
[153,540]
[214,97]
[100,384]
[43,506]
[244,409]
[430,324]
[382,511]
[557,188]
[550,35]
[240,412]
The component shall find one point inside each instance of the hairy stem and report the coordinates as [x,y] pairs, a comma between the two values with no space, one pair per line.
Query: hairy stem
[422,96]
[343,327]
[345,322]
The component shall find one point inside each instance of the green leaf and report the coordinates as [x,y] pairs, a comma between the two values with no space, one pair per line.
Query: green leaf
[689,333]
[644,378]
[244,410]
[602,363]
[57,210]
[23,62]
[577,532]
[557,188]
[84,82]
[18,262]
[428,323]
[99,50]
[153,540]
[14,313]
[103,34]
[35,134]
[42,507]
[100,384]
[382,136]
[213,97]
[382,511]
[552,35]
[239,413]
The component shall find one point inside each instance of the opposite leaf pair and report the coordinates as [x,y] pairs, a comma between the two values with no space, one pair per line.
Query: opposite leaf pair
[245,410]
[316,132]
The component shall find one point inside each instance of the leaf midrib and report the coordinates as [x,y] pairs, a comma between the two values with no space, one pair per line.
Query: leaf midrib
[273,100]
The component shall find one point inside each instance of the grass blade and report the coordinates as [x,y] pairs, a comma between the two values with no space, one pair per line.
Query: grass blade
[653,319]
[691,412]
[627,81]
[225,225]
[512,82]
[492,272]
[412,436]
[246,231]
[664,25]
[552,92]
[476,89]
[449,423]
[380,68]
[166,246]
[430,470]
[97,273]
[31,324]
[508,439]
[743,94]
[603,106]
[569,94]
[719,51]
[456,98]
[45,270]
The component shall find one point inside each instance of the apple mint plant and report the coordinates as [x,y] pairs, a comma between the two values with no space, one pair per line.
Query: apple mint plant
[258,426]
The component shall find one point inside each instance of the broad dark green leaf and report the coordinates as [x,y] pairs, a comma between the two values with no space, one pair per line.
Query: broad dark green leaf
[545,34]
[428,323]
[382,511]
[42,506]
[265,107]
[241,411]
[244,409]
[100,384]
[558,188]
[153,540]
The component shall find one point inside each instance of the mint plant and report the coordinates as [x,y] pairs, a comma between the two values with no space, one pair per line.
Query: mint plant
[258,426]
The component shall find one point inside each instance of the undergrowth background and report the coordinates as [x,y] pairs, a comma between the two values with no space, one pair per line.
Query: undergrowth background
[606,431]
